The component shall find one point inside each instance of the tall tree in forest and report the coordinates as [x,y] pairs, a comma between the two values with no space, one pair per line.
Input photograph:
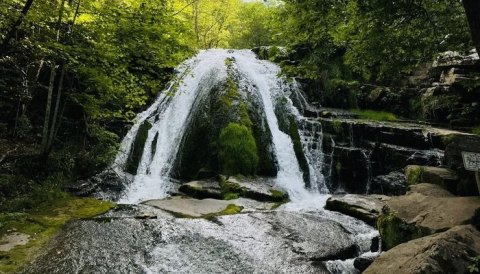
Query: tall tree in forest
[472,9]
[11,32]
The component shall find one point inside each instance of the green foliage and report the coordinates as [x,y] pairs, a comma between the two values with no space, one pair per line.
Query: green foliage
[474,266]
[415,175]
[476,130]
[375,115]
[238,150]
[374,40]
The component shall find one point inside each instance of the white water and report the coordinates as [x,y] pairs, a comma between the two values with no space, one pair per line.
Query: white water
[170,113]
[169,116]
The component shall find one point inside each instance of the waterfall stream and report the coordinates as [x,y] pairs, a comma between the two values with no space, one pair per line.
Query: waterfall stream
[169,117]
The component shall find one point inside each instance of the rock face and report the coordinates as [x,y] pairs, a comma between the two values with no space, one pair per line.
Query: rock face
[443,177]
[392,184]
[365,208]
[416,214]
[447,252]
[356,152]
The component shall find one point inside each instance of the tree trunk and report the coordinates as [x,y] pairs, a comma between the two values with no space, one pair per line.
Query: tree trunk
[472,9]
[46,122]
[55,112]
[11,33]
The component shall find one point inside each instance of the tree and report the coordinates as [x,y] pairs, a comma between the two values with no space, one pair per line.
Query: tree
[472,10]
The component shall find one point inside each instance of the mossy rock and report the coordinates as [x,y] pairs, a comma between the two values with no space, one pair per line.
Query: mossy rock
[394,231]
[299,153]
[237,150]
[137,149]
[414,174]
[41,224]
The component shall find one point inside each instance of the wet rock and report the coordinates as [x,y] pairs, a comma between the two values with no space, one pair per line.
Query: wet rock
[260,189]
[447,252]
[261,242]
[202,189]
[363,262]
[365,208]
[391,184]
[443,177]
[189,207]
[416,215]
[350,172]
[107,185]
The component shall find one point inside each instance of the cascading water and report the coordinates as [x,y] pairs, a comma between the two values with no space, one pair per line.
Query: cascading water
[170,113]
[169,117]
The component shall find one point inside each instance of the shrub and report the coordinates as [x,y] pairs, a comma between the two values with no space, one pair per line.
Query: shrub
[238,150]
[376,115]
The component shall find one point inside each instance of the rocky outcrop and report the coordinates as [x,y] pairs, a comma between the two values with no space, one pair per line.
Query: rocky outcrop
[447,252]
[106,185]
[453,158]
[416,215]
[365,208]
[392,184]
[443,177]
[202,189]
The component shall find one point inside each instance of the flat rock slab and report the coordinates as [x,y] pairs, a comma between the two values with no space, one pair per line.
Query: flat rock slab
[434,214]
[447,252]
[202,189]
[9,241]
[431,190]
[189,207]
[364,207]
[261,189]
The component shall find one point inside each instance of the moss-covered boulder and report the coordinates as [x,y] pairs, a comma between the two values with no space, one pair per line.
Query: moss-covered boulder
[443,177]
[223,103]
[237,150]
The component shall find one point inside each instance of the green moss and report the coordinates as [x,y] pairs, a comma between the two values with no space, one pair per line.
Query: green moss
[414,174]
[279,195]
[337,126]
[447,139]
[41,224]
[476,130]
[137,149]
[231,196]
[231,209]
[238,150]
[395,231]
[375,115]
[298,148]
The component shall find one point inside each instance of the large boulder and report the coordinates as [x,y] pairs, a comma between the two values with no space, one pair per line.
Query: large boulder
[416,215]
[447,252]
[443,177]
[365,208]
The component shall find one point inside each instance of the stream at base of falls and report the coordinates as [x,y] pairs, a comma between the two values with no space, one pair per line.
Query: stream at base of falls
[298,237]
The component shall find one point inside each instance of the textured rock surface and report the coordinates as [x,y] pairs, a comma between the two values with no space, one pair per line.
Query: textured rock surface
[446,252]
[242,243]
[423,211]
[443,177]
[365,208]
[393,183]
[202,189]
[189,207]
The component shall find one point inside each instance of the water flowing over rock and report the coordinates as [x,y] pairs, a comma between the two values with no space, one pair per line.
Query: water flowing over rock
[172,145]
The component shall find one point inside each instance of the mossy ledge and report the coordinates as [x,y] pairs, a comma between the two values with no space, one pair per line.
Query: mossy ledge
[41,224]
[394,231]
